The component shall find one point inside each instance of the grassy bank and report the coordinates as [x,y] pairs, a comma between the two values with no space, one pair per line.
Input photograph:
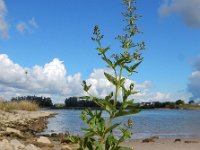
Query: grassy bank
[190,107]
[22,105]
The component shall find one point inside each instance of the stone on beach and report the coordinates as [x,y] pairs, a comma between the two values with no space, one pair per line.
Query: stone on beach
[66,147]
[43,140]
[31,147]
[16,144]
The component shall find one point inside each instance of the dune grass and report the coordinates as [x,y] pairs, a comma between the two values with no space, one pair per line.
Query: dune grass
[22,105]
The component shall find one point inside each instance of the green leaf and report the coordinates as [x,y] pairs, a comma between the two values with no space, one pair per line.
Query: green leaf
[90,145]
[125,93]
[108,61]
[125,113]
[98,145]
[108,98]
[110,142]
[103,50]
[125,104]
[118,62]
[126,134]
[109,107]
[112,127]
[89,134]
[86,129]
[73,139]
[127,68]
[101,125]
[122,81]
[85,86]
[99,102]
[135,66]
[110,78]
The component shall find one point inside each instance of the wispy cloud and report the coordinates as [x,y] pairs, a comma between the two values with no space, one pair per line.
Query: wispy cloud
[3,23]
[189,10]
[28,26]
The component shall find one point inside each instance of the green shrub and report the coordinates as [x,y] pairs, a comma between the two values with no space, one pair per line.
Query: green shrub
[99,133]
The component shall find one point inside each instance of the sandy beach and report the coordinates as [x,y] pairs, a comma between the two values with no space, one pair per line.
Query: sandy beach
[165,144]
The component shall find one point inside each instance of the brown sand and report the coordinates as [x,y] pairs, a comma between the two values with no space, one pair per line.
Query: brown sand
[165,144]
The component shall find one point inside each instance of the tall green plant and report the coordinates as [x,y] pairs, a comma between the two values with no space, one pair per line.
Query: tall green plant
[99,133]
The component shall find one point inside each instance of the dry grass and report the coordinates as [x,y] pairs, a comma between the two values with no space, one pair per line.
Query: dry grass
[22,105]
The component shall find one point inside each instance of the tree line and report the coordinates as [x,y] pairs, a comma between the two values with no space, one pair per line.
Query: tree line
[75,102]
[41,101]
[80,103]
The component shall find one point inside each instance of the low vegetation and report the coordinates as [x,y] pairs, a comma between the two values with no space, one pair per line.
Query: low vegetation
[41,101]
[21,105]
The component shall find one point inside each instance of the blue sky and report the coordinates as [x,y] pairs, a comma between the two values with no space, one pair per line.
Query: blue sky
[36,32]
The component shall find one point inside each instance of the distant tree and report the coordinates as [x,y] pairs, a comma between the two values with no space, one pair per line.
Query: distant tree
[180,102]
[159,105]
[191,102]
[171,105]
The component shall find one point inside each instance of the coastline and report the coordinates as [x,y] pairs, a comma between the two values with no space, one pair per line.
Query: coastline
[20,129]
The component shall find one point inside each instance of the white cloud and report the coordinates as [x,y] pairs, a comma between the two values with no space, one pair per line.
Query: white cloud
[52,80]
[102,87]
[189,10]
[3,23]
[27,26]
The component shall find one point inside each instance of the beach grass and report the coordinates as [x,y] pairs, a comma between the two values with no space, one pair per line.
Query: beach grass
[21,105]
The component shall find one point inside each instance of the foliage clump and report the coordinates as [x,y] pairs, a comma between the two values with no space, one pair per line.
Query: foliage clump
[99,133]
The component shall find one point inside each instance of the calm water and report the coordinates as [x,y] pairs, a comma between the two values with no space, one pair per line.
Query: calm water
[162,123]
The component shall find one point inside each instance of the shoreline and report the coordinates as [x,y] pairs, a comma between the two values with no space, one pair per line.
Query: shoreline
[19,129]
